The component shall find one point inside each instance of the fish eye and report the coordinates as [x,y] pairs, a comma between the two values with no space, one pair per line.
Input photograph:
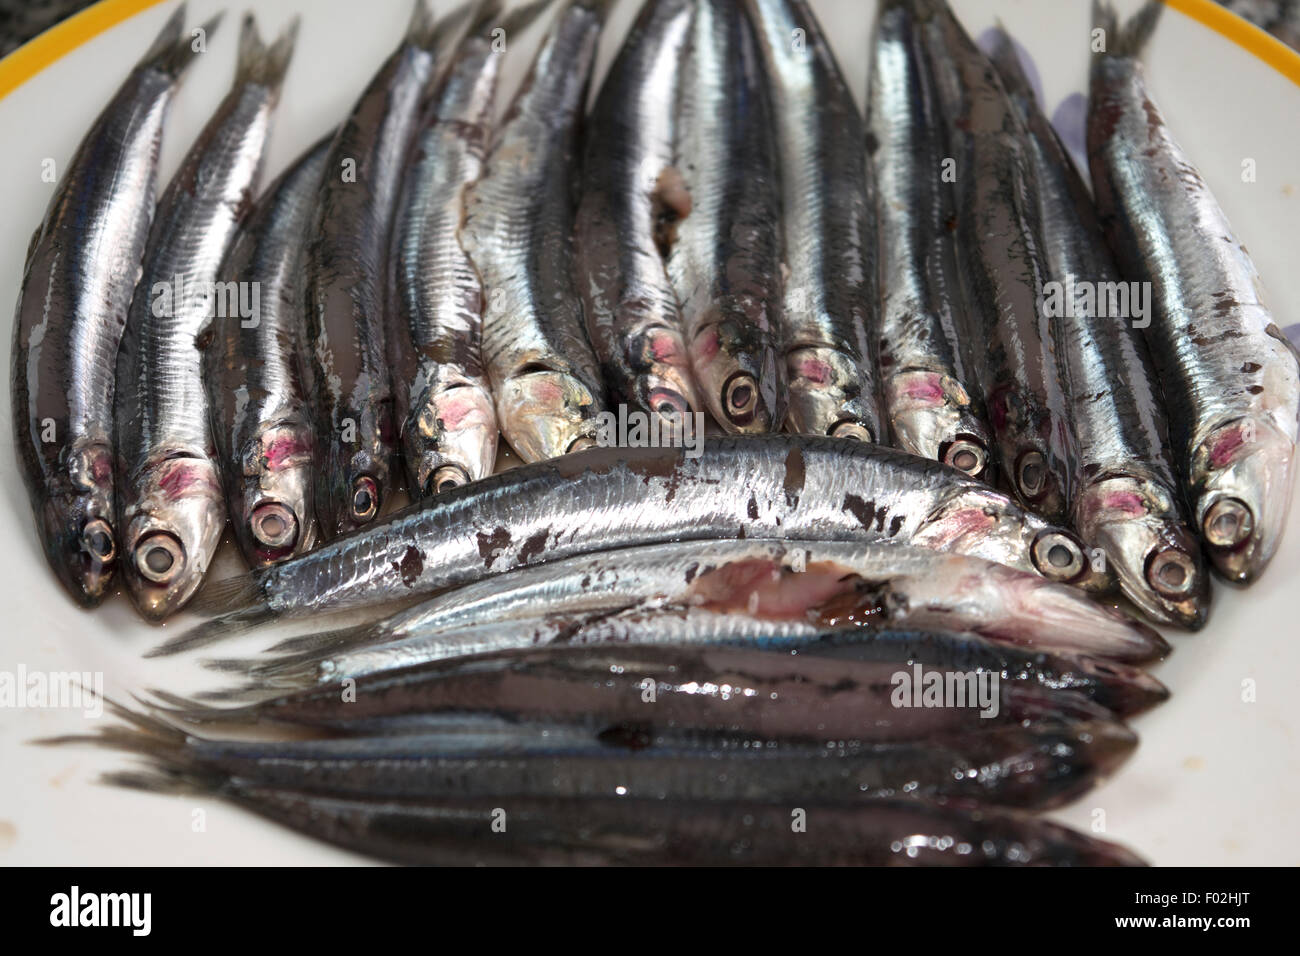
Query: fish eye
[1228,523]
[273,525]
[740,398]
[365,498]
[1031,475]
[159,557]
[968,455]
[445,479]
[1057,556]
[854,430]
[97,540]
[1171,573]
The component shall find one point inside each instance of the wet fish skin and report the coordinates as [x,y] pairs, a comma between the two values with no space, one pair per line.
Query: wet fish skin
[1126,500]
[1036,767]
[632,199]
[615,831]
[931,394]
[652,688]
[1004,269]
[443,399]
[798,487]
[170,502]
[260,421]
[829,583]
[1231,380]
[724,263]
[346,267]
[1119,687]
[830,293]
[78,278]
[519,233]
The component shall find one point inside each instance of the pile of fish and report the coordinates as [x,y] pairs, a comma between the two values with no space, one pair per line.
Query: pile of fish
[852,619]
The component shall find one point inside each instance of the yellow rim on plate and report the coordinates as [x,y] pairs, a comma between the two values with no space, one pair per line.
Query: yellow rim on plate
[25,62]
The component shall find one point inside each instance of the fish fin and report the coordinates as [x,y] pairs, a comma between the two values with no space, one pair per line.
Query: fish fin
[260,64]
[173,49]
[1130,39]
[1006,59]
[521,18]
[322,640]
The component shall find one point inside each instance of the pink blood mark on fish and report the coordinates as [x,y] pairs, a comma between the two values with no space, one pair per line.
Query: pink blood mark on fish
[285,451]
[963,523]
[814,370]
[767,589]
[547,391]
[706,345]
[1225,446]
[663,346]
[185,477]
[1126,502]
[926,389]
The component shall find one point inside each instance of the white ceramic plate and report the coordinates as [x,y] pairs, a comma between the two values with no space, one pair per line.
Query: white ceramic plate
[1216,778]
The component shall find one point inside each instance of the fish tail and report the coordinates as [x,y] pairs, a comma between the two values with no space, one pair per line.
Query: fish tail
[1006,59]
[213,631]
[522,17]
[189,711]
[1130,39]
[260,64]
[174,49]
[171,781]
[322,640]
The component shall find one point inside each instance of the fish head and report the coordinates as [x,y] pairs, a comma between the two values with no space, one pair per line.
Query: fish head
[545,414]
[737,368]
[1241,482]
[931,416]
[272,510]
[824,397]
[354,468]
[171,532]
[662,382]
[1137,525]
[455,440]
[77,526]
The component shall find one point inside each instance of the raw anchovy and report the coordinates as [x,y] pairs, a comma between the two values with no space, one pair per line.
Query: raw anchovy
[1118,687]
[519,233]
[795,487]
[346,267]
[260,423]
[172,509]
[660,688]
[1230,378]
[930,392]
[832,583]
[632,199]
[725,257]
[1036,767]
[1126,500]
[1005,267]
[829,229]
[81,269]
[605,831]
[443,401]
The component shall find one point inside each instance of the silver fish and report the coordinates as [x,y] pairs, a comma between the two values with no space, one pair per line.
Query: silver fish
[1004,268]
[260,423]
[519,233]
[172,510]
[81,268]
[795,487]
[443,401]
[1126,500]
[1231,380]
[725,258]
[820,583]
[632,199]
[829,229]
[931,395]
[347,272]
